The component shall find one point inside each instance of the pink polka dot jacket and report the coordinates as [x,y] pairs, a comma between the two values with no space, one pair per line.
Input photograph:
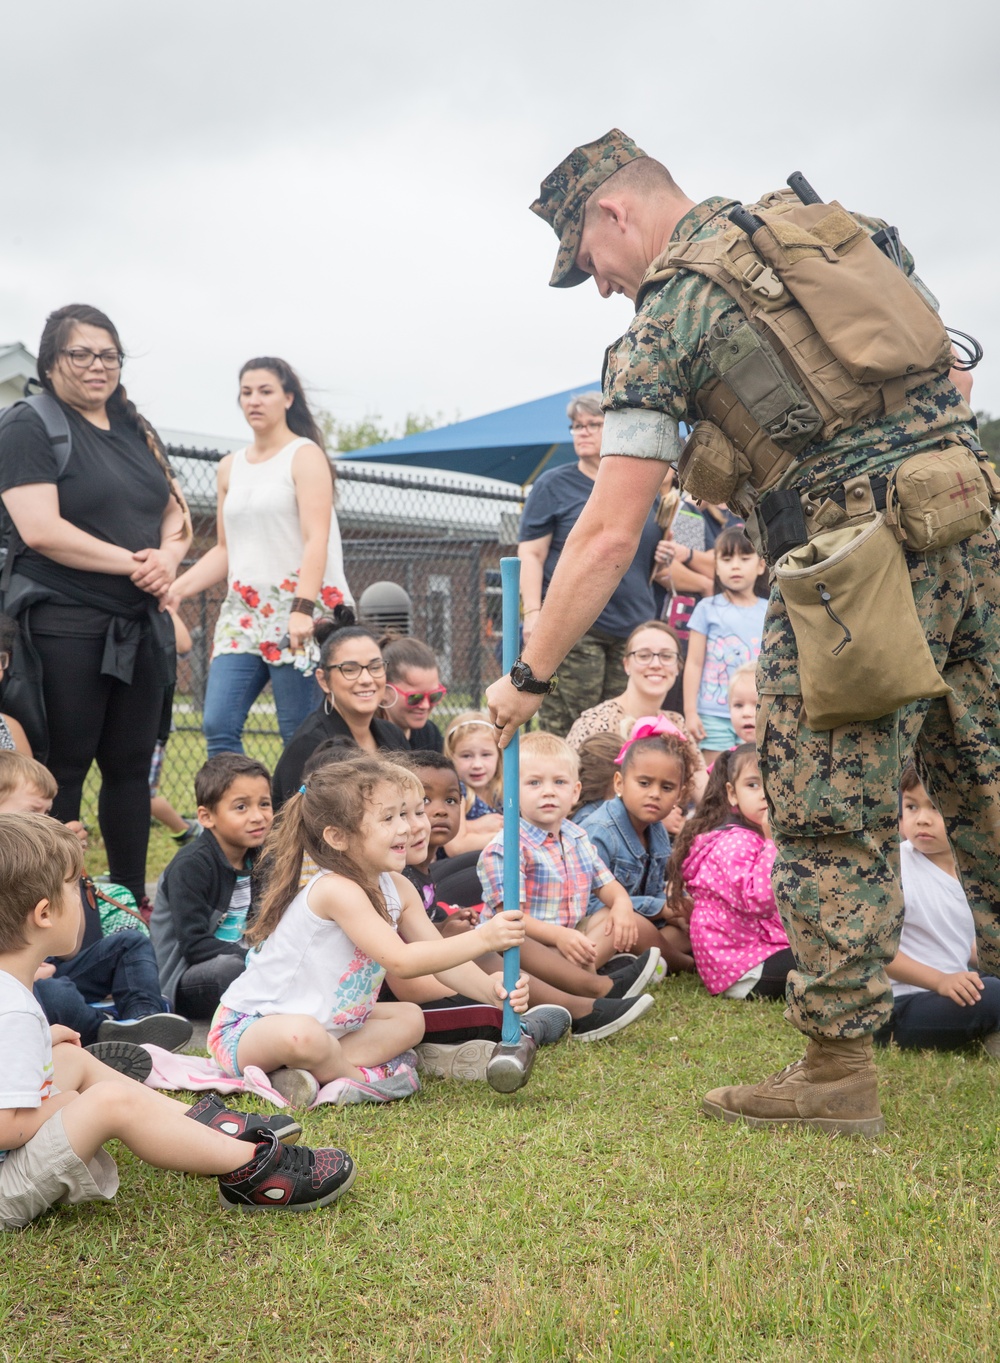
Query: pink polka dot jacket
[735,923]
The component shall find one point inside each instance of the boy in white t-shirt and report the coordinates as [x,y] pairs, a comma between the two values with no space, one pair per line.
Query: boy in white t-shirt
[939,1000]
[59,1104]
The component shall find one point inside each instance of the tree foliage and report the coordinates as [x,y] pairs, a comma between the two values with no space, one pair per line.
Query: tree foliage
[370,430]
[989,435]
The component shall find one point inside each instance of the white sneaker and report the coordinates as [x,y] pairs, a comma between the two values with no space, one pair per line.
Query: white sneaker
[466,1060]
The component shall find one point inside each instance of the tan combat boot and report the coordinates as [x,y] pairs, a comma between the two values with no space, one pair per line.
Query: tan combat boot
[834,1089]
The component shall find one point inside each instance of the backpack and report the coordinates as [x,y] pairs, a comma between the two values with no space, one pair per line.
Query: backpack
[56,425]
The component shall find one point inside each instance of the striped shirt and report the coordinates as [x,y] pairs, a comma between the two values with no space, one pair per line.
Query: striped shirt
[559,871]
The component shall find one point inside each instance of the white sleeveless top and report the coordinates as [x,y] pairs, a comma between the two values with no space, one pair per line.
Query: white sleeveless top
[309,965]
[264,542]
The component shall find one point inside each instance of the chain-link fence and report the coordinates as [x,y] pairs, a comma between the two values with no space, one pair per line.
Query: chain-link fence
[438,537]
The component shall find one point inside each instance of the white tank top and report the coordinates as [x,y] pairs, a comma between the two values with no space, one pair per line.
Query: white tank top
[309,965]
[264,543]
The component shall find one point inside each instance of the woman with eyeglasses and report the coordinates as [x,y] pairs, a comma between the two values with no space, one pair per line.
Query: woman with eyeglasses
[278,548]
[351,674]
[413,690]
[591,671]
[100,534]
[652,663]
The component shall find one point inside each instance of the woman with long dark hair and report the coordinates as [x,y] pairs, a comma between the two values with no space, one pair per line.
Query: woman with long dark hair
[98,540]
[278,547]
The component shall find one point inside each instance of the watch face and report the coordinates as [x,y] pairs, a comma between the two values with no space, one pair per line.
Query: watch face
[519,674]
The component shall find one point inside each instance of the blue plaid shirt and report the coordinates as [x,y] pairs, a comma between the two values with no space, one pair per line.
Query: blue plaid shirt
[559,873]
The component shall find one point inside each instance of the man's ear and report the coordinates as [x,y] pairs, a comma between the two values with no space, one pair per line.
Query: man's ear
[335,838]
[616,211]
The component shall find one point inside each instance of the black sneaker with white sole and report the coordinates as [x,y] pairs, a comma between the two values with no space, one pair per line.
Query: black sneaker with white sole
[633,979]
[244,1126]
[621,960]
[546,1023]
[287,1178]
[124,1057]
[167,1030]
[609,1016]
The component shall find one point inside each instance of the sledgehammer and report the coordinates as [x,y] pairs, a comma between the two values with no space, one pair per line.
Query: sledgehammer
[510,1064]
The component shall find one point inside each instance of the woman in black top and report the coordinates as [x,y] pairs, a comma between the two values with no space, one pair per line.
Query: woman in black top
[414,689]
[98,545]
[352,673]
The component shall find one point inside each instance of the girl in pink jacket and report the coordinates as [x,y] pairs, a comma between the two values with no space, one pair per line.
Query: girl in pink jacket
[722,860]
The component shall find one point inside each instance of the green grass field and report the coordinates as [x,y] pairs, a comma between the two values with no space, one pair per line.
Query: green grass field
[594,1216]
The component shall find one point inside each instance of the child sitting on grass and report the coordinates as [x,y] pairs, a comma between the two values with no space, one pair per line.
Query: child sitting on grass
[940,1001]
[205,895]
[654,774]
[120,966]
[59,1104]
[470,741]
[722,858]
[561,871]
[305,1008]
[743,703]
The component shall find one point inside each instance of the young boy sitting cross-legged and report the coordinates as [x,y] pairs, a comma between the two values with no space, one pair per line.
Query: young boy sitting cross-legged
[59,1104]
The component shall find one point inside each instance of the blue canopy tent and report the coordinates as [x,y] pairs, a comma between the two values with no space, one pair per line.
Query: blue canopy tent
[514,444]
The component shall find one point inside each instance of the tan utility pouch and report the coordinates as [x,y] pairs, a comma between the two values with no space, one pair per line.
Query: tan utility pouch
[941,496]
[862,652]
[878,325]
[711,467]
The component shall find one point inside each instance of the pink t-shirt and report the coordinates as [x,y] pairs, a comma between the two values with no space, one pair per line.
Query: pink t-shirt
[735,922]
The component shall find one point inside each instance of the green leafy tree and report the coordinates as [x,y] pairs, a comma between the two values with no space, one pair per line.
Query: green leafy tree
[346,436]
[989,435]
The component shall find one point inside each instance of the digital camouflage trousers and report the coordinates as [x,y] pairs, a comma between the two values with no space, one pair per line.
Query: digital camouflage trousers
[593,670]
[833,795]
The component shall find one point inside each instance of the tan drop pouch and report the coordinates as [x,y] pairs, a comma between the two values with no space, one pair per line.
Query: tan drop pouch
[941,496]
[862,652]
[711,467]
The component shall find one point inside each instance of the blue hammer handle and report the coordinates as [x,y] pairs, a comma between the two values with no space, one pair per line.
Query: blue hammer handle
[510,580]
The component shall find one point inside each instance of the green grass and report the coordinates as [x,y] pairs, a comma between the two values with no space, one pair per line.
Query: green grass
[594,1216]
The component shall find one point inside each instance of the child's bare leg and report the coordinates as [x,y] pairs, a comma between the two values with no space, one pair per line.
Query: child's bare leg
[648,935]
[604,941]
[153,1126]
[545,963]
[390,1029]
[419,989]
[676,947]
[163,812]
[542,992]
[302,1043]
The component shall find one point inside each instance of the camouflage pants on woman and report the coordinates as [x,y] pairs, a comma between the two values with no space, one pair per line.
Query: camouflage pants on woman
[593,670]
[834,795]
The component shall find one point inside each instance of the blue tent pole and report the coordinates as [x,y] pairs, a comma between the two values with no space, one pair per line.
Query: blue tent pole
[510,579]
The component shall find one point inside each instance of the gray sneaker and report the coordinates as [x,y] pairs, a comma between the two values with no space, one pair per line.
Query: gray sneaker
[546,1023]
[464,1060]
[167,1030]
[609,1016]
[298,1087]
[632,980]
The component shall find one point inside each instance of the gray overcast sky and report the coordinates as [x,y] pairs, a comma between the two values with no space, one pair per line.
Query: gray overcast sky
[347,186]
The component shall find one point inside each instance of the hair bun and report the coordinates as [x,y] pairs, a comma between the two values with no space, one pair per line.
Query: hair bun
[341,617]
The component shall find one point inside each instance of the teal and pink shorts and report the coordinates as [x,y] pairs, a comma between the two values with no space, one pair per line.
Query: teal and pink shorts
[224,1037]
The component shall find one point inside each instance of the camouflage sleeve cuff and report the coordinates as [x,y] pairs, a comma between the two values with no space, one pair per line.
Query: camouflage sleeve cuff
[641,433]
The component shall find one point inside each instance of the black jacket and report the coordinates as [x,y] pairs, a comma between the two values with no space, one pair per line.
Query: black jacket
[191,899]
[314,730]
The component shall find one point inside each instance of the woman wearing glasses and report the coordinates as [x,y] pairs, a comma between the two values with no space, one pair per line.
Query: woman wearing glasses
[278,548]
[99,538]
[413,691]
[351,673]
[652,662]
[591,671]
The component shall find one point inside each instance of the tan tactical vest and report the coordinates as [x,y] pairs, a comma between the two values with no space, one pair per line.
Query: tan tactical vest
[833,332]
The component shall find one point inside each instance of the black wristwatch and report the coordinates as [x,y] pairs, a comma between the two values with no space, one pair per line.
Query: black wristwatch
[524,679]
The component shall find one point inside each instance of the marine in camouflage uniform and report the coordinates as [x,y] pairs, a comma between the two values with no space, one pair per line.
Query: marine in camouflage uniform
[832,794]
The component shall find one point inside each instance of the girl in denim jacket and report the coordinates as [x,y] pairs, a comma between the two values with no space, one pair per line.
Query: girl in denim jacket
[654,773]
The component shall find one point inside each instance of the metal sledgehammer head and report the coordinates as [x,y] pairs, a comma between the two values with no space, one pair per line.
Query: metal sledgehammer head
[508,1067]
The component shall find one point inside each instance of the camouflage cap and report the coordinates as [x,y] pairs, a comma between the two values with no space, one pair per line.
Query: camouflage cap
[564,194]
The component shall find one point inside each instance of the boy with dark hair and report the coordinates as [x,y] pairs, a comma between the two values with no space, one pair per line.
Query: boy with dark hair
[120,965]
[205,895]
[59,1104]
[940,1000]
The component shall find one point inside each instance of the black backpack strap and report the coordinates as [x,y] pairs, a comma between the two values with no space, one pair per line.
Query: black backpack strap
[56,424]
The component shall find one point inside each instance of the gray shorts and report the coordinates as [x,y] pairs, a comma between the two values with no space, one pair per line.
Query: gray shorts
[45,1171]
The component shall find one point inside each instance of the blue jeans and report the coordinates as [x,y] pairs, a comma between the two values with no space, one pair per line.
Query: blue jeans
[235,680]
[930,1022]
[122,965]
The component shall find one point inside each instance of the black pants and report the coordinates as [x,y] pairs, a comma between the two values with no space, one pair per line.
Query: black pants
[774,973]
[927,1021]
[201,986]
[90,718]
[455,1019]
[457,880]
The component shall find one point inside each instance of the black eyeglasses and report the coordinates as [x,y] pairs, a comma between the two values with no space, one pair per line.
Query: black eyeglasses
[351,671]
[80,358]
[577,427]
[646,655]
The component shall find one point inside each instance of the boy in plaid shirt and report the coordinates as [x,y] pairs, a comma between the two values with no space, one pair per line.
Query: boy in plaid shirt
[560,868]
